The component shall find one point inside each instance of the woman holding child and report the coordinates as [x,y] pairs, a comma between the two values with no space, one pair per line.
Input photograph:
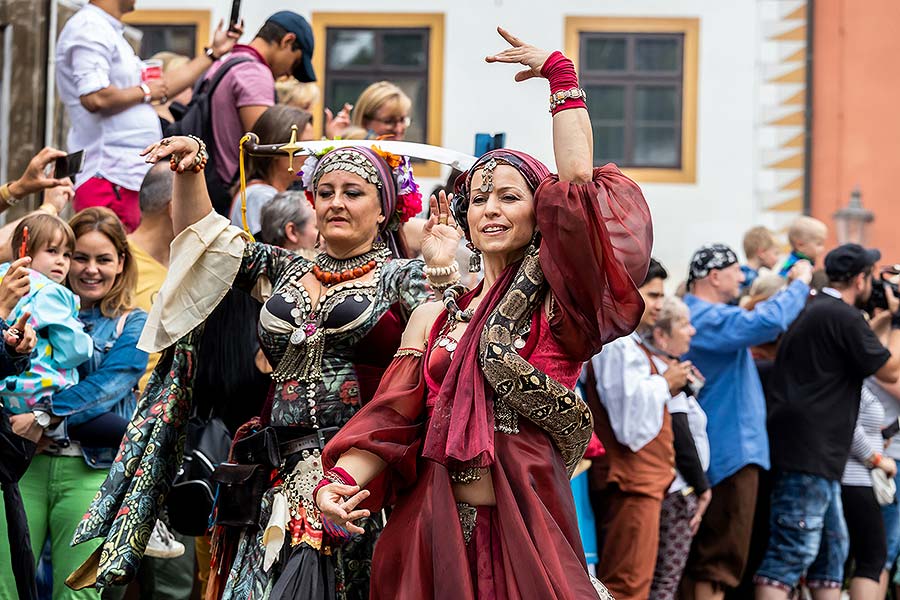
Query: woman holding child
[83,375]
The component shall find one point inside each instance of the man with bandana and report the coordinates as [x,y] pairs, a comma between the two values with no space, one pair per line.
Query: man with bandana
[735,406]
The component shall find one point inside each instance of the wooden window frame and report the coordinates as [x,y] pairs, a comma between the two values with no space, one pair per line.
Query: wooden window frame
[690,29]
[201,18]
[434,22]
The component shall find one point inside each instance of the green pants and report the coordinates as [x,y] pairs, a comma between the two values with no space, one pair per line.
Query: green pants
[57,491]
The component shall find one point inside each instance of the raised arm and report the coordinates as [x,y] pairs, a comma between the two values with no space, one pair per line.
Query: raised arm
[573,139]
[190,198]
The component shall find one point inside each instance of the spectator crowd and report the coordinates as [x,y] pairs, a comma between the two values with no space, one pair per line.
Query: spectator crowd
[742,432]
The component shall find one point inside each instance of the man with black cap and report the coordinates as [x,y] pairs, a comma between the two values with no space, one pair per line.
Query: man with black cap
[815,396]
[735,406]
[283,46]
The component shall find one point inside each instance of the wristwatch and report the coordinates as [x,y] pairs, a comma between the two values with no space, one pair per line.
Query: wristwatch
[42,418]
[210,54]
[148,96]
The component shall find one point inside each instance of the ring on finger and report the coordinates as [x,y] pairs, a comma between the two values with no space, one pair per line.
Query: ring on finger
[165,142]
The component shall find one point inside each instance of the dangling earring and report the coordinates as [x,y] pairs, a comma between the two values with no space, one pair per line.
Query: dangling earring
[318,241]
[474,259]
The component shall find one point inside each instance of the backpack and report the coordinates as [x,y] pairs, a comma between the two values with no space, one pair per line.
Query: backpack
[196,119]
[192,496]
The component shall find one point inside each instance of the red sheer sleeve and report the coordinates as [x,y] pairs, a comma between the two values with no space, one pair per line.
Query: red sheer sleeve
[390,427]
[595,251]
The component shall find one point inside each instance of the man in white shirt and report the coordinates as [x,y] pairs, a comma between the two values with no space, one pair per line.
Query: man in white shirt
[628,397]
[98,77]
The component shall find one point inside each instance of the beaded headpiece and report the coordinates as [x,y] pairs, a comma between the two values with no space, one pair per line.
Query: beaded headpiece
[531,169]
[390,173]
[346,159]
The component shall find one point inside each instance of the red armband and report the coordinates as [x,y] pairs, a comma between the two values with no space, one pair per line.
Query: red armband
[335,475]
[564,91]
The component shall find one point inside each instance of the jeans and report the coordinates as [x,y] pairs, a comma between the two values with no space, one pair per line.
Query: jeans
[891,514]
[808,534]
[57,491]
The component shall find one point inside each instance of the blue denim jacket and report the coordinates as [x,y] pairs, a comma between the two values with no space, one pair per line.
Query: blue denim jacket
[108,379]
[733,396]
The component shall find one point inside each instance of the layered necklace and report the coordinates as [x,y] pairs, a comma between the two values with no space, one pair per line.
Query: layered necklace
[331,271]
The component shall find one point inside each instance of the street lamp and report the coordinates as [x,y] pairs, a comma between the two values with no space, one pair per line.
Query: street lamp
[853,220]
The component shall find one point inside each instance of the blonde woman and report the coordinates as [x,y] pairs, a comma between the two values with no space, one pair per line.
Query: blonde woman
[172,62]
[294,93]
[383,110]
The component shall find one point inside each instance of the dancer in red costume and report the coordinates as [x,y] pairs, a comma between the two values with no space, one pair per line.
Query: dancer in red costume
[474,430]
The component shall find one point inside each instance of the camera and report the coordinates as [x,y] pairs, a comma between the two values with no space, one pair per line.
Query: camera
[878,299]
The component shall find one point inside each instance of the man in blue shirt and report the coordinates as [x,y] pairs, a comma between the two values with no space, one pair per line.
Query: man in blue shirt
[734,404]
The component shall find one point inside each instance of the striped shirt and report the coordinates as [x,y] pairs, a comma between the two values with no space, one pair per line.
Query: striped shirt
[891,413]
[867,440]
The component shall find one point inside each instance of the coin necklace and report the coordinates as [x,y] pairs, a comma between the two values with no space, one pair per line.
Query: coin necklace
[455,316]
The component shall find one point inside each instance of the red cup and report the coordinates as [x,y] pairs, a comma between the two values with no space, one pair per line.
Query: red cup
[151,69]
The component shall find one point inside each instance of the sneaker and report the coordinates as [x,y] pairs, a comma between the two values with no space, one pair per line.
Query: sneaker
[163,544]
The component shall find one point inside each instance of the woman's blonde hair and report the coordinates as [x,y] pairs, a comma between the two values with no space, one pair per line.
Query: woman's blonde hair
[42,230]
[171,60]
[294,93]
[97,218]
[377,96]
[766,285]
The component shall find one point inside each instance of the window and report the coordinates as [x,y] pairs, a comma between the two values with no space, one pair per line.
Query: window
[359,57]
[405,49]
[640,79]
[184,32]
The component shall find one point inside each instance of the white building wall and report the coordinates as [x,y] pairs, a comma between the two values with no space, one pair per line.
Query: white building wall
[479,97]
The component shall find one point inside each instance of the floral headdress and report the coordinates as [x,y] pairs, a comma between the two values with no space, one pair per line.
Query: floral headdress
[391,173]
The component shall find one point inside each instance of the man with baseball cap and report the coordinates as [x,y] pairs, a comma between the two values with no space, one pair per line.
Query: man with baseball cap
[815,396]
[735,406]
[283,46]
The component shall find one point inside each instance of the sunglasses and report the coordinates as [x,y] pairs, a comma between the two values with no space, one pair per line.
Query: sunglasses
[405,121]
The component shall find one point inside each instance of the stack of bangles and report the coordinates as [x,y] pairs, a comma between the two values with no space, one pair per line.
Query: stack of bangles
[335,475]
[451,271]
[200,159]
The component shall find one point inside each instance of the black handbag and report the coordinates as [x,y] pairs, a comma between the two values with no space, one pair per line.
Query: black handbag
[258,448]
[191,500]
[241,488]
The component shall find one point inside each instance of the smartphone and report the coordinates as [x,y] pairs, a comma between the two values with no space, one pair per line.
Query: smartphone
[68,165]
[891,430]
[485,142]
[235,15]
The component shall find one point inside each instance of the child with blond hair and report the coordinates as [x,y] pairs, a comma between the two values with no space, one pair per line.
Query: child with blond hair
[761,250]
[807,238]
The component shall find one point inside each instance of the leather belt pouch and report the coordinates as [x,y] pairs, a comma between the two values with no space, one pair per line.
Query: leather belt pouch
[258,448]
[241,488]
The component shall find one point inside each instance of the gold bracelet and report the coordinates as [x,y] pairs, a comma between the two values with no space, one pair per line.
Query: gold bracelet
[7,196]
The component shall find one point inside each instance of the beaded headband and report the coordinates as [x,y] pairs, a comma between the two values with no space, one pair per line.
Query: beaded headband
[345,159]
